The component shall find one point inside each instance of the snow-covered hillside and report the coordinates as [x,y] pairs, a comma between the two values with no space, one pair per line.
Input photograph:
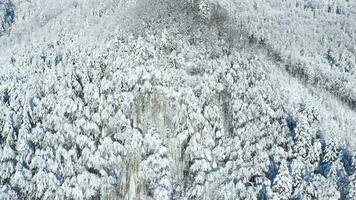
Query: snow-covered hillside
[177,99]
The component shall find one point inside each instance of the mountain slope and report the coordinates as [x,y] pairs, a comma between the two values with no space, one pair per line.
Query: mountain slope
[112,100]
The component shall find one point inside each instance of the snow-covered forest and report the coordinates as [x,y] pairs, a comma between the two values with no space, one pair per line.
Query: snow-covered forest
[178,99]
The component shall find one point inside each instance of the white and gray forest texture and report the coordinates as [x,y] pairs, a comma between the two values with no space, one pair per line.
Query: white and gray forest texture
[178,99]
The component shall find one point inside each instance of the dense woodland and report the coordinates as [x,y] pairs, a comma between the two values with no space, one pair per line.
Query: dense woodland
[184,99]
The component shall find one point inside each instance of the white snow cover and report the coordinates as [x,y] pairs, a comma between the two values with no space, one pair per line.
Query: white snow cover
[177,99]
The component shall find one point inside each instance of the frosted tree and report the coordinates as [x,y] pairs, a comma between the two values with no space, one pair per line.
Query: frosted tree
[323,189]
[331,152]
[155,170]
[352,191]
[7,16]
[282,185]
[7,192]
[307,146]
